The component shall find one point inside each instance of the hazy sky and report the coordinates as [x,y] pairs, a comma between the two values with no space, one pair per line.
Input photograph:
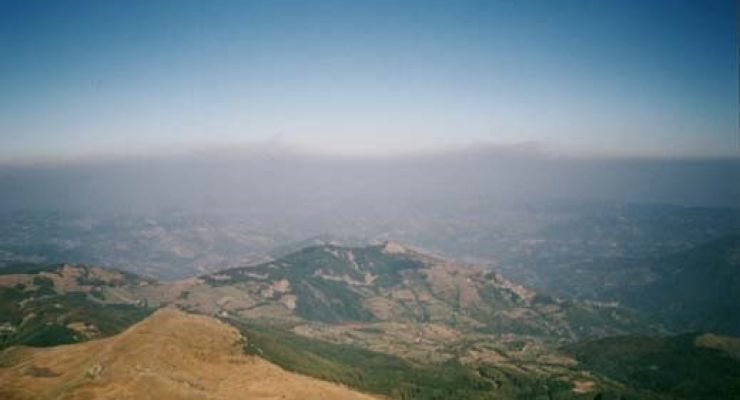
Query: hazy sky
[127,77]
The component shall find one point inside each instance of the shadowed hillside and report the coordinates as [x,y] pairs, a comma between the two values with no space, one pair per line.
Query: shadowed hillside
[697,289]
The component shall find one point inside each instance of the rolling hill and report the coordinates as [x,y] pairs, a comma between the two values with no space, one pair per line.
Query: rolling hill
[384,319]
[393,284]
[58,304]
[170,355]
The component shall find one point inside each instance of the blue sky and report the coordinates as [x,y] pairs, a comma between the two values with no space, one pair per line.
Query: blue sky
[646,78]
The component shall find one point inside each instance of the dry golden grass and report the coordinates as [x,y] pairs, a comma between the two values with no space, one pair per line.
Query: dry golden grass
[170,355]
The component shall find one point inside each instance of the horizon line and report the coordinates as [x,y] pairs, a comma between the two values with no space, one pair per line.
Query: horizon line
[281,149]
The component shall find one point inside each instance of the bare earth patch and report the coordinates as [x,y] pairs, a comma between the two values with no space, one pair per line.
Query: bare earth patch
[583,386]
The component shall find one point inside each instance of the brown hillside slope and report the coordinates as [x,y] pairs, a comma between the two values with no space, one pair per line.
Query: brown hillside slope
[170,355]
